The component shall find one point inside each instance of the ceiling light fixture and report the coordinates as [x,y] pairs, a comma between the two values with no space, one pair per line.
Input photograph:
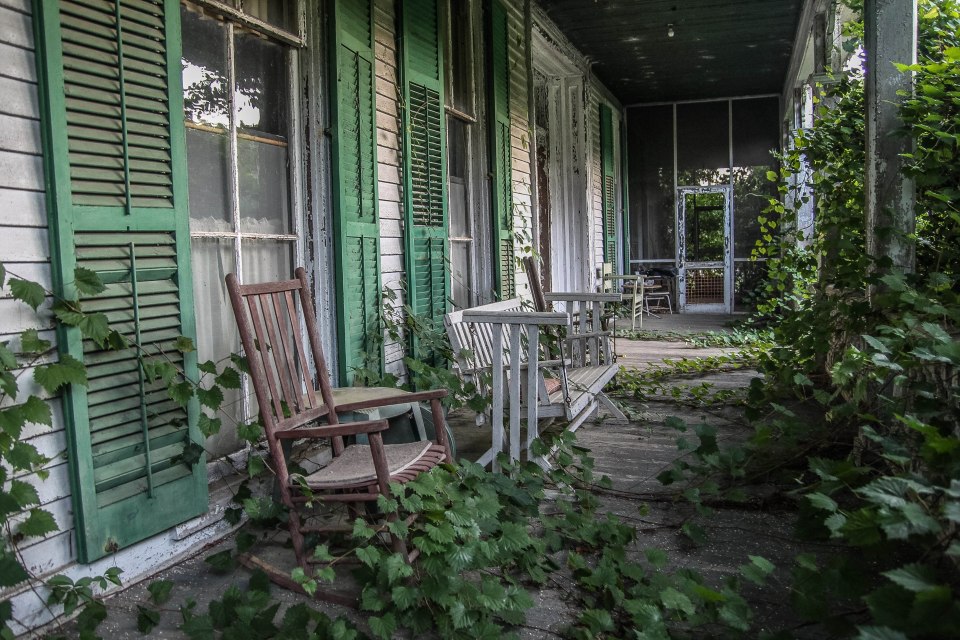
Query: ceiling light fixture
[670,31]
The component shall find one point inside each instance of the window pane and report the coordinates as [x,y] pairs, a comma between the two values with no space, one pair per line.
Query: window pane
[460,273]
[460,67]
[207,157]
[267,260]
[217,334]
[279,13]
[261,86]
[264,187]
[703,143]
[457,178]
[650,136]
[205,78]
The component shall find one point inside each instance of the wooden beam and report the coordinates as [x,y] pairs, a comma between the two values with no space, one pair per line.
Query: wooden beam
[890,37]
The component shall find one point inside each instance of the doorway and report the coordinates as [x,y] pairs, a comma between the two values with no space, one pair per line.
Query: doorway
[704,230]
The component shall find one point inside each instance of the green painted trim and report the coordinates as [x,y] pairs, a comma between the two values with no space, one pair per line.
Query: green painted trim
[501,196]
[342,34]
[410,75]
[101,530]
[607,172]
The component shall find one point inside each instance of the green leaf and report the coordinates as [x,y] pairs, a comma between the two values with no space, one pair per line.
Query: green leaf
[250,431]
[88,283]
[368,556]
[147,619]
[673,599]
[757,570]
[12,572]
[383,626]
[192,454]
[181,392]
[879,633]
[597,621]
[822,501]
[36,411]
[255,466]
[184,344]
[27,292]
[207,366]
[23,493]
[211,398]
[362,530]
[229,378]
[913,577]
[23,455]
[39,523]
[208,426]
[397,568]
[31,343]
[68,370]
[160,591]
[656,557]
[222,560]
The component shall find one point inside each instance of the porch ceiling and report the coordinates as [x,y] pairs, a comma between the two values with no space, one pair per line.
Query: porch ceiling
[720,48]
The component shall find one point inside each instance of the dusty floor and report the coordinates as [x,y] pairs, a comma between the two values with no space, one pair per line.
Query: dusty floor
[631,453]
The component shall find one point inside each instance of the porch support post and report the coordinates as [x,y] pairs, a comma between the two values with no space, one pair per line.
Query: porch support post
[890,37]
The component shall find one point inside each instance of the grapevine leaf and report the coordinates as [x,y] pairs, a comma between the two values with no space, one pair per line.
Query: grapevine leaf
[28,292]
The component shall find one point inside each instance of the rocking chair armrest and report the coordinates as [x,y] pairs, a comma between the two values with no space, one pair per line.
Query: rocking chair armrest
[335,430]
[406,398]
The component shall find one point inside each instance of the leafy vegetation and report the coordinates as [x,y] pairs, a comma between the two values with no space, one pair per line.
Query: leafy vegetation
[876,352]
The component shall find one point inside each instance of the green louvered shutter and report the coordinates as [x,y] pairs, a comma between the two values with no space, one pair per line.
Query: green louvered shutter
[117,196]
[500,166]
[356,222]
[625,197]
[609,184]
[424,162]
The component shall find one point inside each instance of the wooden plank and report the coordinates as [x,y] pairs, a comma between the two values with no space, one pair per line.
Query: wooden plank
[19,98]
[20,171]
[16,27]
[19,63]
[24,244]
[19,134]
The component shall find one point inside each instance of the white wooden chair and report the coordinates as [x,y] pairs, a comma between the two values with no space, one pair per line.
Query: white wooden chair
[526,380]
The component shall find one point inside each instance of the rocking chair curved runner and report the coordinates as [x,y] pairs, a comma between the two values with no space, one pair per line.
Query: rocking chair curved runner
[297,404]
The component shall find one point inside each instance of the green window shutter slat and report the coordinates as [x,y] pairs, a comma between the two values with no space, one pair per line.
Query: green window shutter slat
[115,163]
[424,163]
[609,184]
[625,198]
[356,219]
[500,156]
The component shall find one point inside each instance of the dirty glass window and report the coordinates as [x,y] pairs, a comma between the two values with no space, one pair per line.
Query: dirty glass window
[461,110]
[237,106]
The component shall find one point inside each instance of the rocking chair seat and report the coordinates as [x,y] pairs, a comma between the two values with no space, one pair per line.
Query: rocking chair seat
[354,467]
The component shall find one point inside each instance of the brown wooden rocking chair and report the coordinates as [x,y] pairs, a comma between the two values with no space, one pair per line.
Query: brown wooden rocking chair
[297,404]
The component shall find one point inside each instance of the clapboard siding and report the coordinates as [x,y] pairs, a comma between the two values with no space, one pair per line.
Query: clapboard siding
[25,253]
[389,174]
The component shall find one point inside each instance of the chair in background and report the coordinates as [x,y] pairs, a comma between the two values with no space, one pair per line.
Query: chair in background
[296,402]
[630,288]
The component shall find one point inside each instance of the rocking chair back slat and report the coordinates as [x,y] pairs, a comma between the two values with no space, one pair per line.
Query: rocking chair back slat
[288,371]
